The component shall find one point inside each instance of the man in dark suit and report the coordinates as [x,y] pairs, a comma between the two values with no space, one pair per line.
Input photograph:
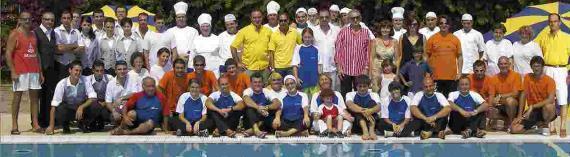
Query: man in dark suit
[46,47]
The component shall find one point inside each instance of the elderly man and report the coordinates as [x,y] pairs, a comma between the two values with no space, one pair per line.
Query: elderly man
[352,52]
[255,40]
[45,38]
[444,57]
[281,46]
[507,87]
[272,16]
[67,44]
[226,39]
[430,109]
[431,28]
[556,51]
[472,43]
[398,22]
[181,35]
[144,111]
[325,36]
[538,99]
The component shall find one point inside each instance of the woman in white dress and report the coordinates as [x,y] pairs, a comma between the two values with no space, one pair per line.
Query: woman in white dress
[496,48]
[158,70]
[137,69]
[207,44]
[524,50]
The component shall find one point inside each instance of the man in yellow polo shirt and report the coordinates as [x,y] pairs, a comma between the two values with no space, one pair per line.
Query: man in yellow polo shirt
[281,46]
[556,51]
[255,39]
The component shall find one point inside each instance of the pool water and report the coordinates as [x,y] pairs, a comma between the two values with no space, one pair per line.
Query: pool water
[285,150]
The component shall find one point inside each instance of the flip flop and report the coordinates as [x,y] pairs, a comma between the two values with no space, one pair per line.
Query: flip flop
[15,132]
[262,135]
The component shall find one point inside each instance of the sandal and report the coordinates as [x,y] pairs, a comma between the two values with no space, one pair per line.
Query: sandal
[262,134]
[203,133]
[15,132]
[232,134]
[39,130]
[480,134]
[466,134]
[247,134]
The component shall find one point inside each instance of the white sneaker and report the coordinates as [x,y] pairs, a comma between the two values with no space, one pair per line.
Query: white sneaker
[545,131]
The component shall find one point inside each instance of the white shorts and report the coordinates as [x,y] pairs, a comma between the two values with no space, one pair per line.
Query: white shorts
[27,81]
[559,75]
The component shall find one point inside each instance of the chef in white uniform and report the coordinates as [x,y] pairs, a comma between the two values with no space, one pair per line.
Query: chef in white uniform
[431,28]
[207,44]
[398,22]
[226,39]
[181,34]
[272,16]
[472,43]
[313,17]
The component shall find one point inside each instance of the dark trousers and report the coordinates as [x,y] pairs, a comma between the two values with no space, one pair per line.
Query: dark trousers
[46,95]
[284,71]
[61,70]
[347,84]
[180,125]
[458,123]
[65,113]
[440,124]
[96,117]
[230,122]
[382,126]
[446,86]
[254,117]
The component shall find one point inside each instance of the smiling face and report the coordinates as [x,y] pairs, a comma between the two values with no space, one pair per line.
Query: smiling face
[75,72]
[504,65]
[362,88]
[429,86]
[205,29]
[464,85]
[398,23]
[180,70]
[25,20]
[48,20]
[110,28]
[396,94]
[121,13]
[324,82]
[231,70]
[224,85]
[163,58]
[301,18]
[276,84]
[98,18]
[85,26]
[181,20]
[256,18]
[257,84]
[127,29]
[291,85]
[431,22]
[499,34]
[231,27]
[443,25]
[272,19]
[283,21]
[142,21]
[194,89]
[199,66]
[121,71]
[537,69]
[138,63]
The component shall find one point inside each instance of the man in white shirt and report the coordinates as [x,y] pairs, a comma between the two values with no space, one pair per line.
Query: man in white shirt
[181,34]
[226,39]
[121,12]
[398,22]
[153,41]
[431,22]
[68,45]
[301,19]
[472,43]
[142,32]
[98,23]
[120,88]
[325,36]
[272,15]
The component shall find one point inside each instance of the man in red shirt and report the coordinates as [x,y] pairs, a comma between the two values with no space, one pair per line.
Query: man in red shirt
[23,61]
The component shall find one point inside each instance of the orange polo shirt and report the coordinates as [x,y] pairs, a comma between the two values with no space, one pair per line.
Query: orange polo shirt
[173,87]
[443,52]
[208,81]
[483,87]
[507,84]
[537,90]
[239,84]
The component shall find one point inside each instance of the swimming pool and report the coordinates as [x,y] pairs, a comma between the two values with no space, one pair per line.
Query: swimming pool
[286,150]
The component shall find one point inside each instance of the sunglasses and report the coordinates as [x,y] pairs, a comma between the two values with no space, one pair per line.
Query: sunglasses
[199,65]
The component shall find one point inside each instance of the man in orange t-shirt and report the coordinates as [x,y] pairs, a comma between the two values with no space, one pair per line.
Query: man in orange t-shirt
[480,82]
[444,57]
[207,78]
[174,83]
[538,95]
[507,87]
[239,81]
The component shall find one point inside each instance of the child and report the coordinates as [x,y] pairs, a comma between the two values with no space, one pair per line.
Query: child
[364,105]
[191,108]
[138,70]
[414,72]
[388,75]
[395,113]
[331,120]
[306,63]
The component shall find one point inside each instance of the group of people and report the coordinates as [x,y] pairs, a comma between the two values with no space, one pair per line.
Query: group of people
[325,73]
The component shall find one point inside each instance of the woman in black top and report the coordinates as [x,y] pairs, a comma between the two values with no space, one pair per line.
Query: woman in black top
[411,41]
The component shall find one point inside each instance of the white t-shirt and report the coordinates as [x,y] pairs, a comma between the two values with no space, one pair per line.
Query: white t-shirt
[226,40]
[440,98]
[326,43]
[427,32]
[217,94]
[144,73]
[522,55]
[266,92]
[208,47]
[472,43]
[494,51]
[385,111]
[399,33]
[185,96]
[157,71]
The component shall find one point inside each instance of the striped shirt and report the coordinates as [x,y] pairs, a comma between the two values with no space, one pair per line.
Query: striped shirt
[352,52]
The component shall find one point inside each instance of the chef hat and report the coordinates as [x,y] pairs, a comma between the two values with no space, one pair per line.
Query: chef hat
[398,13]
[290,77]
[431,14]
[273,7]
[204,18]
[345,10]
[229,17]
[301,10]
[466,17]
[334,7]
[180,8]
[312,11]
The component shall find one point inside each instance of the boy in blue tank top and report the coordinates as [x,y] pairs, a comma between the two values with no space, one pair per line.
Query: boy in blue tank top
[364,106]
[430,110]
[191,108]
[467,106]
[395,113]
[261,106]
[225,109]
[293,115]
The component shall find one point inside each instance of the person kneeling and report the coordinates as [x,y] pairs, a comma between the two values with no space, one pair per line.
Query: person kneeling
[71,100]
[226,109]
[466,105]
[191,108]
[364,105]
[293,116]
[430,109]
[395,113]
[538,93]
[143,111]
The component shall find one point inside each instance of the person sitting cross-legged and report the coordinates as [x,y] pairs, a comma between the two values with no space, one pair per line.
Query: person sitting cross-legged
[143,111]
[430,110]
[191,108]
[468,108]
[225,109]
[262,104]
[364,105]
[538,94]
[293,115]
[395,113]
